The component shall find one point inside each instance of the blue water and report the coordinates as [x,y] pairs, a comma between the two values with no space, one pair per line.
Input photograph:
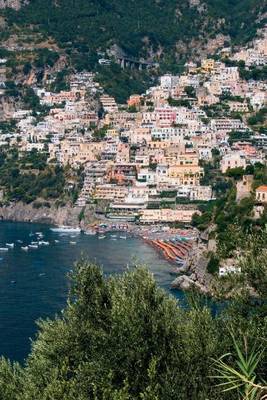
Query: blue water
[34,284]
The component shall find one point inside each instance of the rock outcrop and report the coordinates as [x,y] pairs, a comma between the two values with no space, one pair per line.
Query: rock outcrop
[27,213]
[197,276]
[15,4]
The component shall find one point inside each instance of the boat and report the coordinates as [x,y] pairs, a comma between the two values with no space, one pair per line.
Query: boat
[101,237]
[20,241]
[33,246]
[65,229]
[3,248]
[43,242]
[25,248]
[123,237]
[90,232]
[113,236]
[73,243]
[10,245]
[56,241]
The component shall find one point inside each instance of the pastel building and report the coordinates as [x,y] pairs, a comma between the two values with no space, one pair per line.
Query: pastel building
[233,160]
[166,215]
[261,194]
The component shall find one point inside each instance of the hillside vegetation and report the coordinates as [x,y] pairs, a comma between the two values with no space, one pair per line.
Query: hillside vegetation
[141,28]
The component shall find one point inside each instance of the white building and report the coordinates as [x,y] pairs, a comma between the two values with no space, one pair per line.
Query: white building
[233,160]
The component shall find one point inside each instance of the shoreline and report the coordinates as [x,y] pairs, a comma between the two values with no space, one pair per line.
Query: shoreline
[180,247]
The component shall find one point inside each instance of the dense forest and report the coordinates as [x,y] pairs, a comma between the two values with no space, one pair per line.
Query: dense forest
[123,338]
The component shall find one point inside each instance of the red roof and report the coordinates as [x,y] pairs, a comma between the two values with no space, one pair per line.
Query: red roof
[262,188]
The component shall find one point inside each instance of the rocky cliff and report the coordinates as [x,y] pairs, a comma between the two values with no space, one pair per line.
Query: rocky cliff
[27,213]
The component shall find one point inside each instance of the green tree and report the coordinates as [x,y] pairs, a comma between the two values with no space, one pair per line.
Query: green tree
[124,338]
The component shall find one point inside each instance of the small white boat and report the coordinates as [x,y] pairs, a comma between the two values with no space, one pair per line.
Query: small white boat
[44,243]
[123,237]
[20,241]
[101,237]
[56,241]
[73,243]
[10,245]
[34,243]
[33,246]
[90,232]
[113,236]
[66,229]
[3,248]
[24,248]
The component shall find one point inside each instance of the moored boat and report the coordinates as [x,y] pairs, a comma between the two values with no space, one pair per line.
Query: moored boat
[90,232]
[33,246]
[65,229]
[43,242]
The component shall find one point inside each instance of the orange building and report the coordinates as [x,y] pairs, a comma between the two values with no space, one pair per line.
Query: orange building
[134,100]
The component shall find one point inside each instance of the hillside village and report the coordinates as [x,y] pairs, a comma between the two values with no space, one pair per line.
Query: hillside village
[156,159]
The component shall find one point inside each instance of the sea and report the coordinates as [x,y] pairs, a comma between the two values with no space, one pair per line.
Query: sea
[34,284]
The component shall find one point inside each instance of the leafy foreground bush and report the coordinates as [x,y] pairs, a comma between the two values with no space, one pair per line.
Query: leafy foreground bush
[124,338]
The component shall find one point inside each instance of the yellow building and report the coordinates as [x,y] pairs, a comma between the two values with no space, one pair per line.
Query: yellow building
[165,215]
[110,192]
[207,65]
[186,175]
[74,153]
[112,133]
[186,169]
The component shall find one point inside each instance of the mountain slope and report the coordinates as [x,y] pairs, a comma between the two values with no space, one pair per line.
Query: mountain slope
[141,27]
[74,34]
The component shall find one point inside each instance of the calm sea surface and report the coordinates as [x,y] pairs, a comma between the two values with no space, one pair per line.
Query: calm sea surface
[34,285]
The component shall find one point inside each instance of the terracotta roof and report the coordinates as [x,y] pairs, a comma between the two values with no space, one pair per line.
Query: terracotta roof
[262,188]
